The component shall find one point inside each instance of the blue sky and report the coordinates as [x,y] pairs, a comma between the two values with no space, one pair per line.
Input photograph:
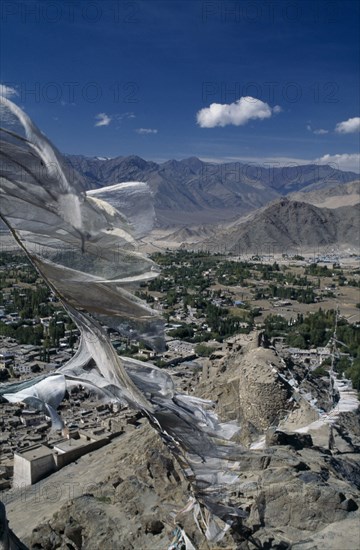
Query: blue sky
[111,78]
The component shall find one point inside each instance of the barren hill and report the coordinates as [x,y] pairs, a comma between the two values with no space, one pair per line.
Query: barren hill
[288,224]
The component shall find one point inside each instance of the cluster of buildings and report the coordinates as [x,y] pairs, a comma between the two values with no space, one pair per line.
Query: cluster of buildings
[312,357]
[31,451]
[25,359]
[19,429]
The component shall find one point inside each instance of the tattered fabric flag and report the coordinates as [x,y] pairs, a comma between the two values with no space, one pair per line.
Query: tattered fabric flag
[84,245]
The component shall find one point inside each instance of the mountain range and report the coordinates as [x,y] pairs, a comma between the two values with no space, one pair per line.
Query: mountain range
[192,192]
[237,207]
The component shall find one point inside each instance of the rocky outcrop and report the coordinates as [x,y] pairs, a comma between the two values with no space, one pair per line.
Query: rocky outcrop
[138,495]
[295,440]
[246,387]
[125,497]
[298,489]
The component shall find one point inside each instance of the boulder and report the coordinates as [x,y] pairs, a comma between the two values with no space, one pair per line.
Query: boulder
[296,440]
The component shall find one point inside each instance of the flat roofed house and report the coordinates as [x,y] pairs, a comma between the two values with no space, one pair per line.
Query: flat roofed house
[33,464]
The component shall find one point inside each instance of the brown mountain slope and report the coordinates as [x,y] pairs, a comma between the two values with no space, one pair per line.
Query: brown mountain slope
[347,194]
[290,224]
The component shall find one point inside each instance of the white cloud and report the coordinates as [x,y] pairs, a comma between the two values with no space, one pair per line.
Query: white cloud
[146,131]
[346,161]
[121,116]
[321,132]
[318,132]
[7,91]
[102,119]
[238,113]
[348,126]
[275,162]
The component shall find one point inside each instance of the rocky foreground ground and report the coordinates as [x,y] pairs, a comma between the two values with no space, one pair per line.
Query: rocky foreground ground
[299,476]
